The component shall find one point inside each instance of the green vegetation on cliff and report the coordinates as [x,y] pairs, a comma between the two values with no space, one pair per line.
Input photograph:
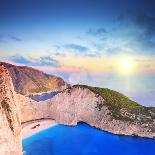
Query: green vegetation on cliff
[116,102]
[7,111]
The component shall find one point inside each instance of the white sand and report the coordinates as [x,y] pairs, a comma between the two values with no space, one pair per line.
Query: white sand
[30,128]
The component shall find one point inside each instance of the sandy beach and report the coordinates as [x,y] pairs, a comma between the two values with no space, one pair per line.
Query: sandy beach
[33,127]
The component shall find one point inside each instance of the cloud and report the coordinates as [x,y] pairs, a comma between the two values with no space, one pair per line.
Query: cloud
[93,55]
[48,61]
[15,38]
[129,33]
[5,38]
[97,32]
[76,47]
[139,31]
[2,40]
[42,61]
[147,38]
[20,60]
[147,22]
[76,78]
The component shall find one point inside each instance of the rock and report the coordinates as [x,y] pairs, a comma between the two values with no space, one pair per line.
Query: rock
[77,104]
[10,127]
[102,108]
[27,80]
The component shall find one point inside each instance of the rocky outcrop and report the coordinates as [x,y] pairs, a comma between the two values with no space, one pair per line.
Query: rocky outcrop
[82,104]
[79,103]
[27,80]
[101,108]
[10,128]
[32,110]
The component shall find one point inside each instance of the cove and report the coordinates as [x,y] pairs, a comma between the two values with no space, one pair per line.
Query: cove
[85,140]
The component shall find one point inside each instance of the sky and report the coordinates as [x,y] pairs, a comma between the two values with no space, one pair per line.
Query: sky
[105,43]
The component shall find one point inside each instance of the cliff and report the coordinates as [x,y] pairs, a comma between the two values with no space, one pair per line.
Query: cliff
[102,108]
[10,128]
[27,80]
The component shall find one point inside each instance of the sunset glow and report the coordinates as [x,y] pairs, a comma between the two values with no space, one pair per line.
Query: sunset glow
[110,45]
[126,66]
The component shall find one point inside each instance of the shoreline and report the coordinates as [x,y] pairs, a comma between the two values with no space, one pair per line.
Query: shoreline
[33,127]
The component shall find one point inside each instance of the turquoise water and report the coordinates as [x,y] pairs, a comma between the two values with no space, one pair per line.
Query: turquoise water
[84,140]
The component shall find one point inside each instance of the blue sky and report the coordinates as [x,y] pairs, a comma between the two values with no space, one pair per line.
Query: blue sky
[107,43]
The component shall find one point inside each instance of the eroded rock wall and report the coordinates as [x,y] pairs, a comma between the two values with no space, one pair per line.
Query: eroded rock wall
[68,107]
[79,104]
[10,128]
[32,110]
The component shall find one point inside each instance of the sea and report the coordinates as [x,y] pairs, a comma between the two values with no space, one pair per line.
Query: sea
[85,140]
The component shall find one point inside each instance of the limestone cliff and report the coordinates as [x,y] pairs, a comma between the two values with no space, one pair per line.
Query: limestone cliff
[83,103]
[10,128]
[101,108]
[27,80]
[91,105]
[32,110]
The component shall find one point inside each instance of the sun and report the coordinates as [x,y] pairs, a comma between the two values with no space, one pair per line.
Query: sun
[126,65]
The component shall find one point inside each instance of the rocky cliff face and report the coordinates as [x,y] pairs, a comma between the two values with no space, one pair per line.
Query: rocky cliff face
[101,108]
[81,103]
[10,128]
[32,110]
[27,80]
